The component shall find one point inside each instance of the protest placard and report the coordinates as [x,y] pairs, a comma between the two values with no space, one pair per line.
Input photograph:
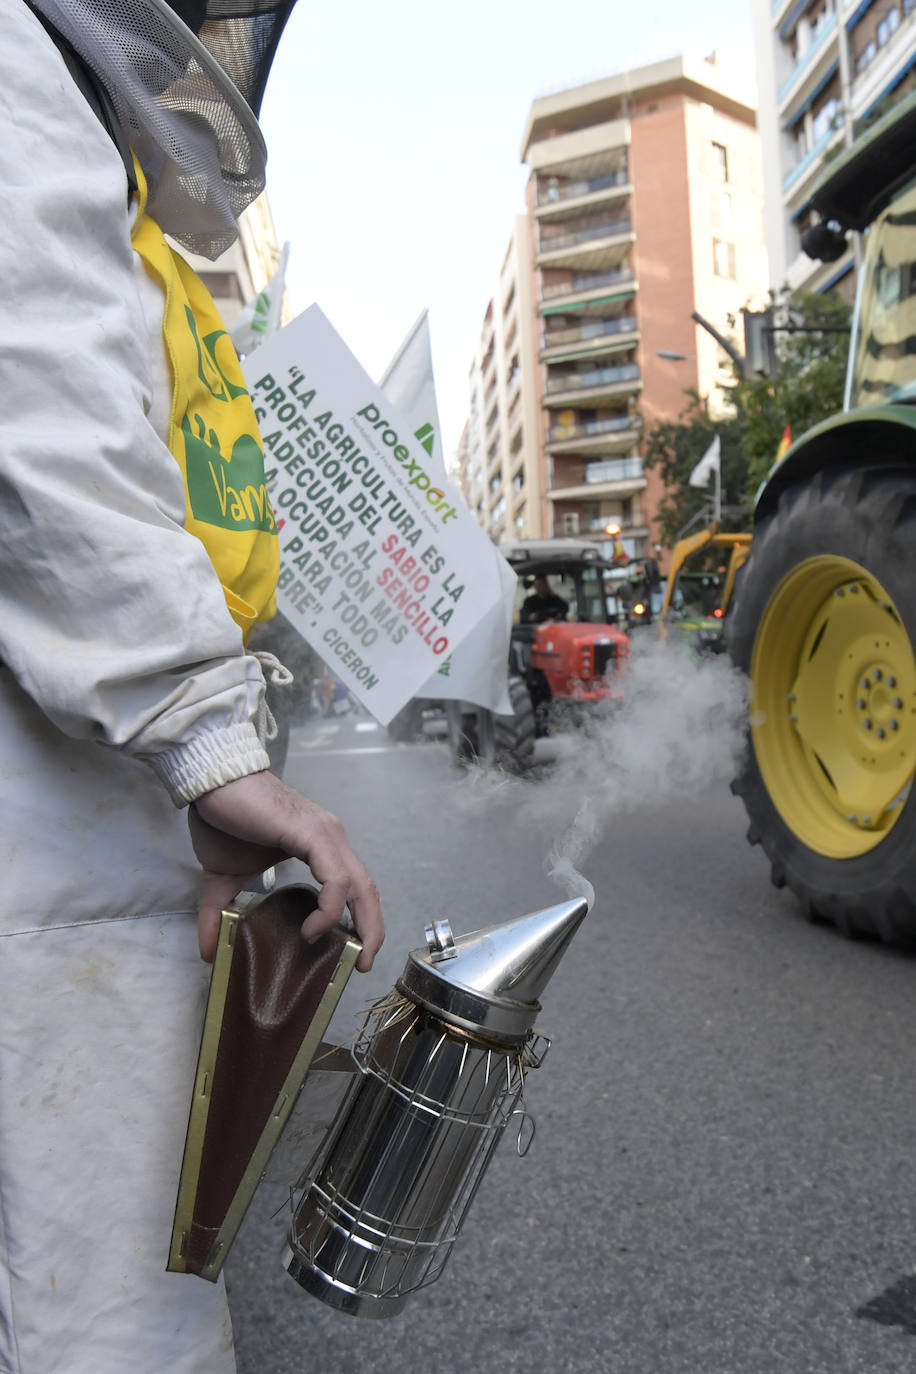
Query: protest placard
[478,671]
[383,569]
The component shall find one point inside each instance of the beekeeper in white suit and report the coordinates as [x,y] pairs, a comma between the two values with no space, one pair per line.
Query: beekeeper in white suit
[130,711]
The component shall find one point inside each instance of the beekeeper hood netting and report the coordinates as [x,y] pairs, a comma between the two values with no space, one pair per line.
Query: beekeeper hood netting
[182,101]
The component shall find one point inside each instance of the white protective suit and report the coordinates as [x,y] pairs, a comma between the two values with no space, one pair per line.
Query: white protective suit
[125,693]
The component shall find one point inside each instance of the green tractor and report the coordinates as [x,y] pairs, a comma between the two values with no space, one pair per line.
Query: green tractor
[695,603]
[824,622]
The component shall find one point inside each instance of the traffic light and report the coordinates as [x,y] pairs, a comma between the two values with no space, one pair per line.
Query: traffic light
[759,344]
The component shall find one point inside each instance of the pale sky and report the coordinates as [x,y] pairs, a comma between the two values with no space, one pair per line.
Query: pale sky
[394,134]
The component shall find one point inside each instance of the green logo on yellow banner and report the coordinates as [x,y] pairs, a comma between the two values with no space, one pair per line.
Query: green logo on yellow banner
[209,368]
[227,492]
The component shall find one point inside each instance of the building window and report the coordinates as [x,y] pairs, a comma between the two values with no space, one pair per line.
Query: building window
[570,522]
[518,481]
[866,56]
[888,25]
[720,162]
[224,286]
[721,211]
[826,118]
[723,259]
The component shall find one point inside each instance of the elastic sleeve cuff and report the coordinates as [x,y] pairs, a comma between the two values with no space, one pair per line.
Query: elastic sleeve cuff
[209,760]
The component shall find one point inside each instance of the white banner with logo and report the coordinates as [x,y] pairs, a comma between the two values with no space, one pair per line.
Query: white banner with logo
[260,318]
[478,671]
[383,569]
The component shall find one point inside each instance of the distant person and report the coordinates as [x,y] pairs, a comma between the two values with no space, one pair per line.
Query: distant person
[543,604]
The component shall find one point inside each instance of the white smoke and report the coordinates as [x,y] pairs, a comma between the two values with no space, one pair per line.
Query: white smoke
[679,729]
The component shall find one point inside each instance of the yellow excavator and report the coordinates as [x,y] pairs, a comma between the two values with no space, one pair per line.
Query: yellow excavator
[695,603]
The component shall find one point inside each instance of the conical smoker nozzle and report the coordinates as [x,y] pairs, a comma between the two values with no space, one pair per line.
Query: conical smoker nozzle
[489,981]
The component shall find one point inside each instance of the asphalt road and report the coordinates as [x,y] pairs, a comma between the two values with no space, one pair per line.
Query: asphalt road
[722,1176]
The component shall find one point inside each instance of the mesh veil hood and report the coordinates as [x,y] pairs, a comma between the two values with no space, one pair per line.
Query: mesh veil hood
[188,105]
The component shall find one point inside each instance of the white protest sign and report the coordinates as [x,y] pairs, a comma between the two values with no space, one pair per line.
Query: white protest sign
[479,670]
[383,569]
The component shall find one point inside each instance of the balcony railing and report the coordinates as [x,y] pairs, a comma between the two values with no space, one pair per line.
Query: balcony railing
[596,329]
[599,376]
[818,39]
[636,522]
[808,160]
[607,229]
[614,470]
[570,190]
[570,474]
[589,429]
[632,533]
[587,281]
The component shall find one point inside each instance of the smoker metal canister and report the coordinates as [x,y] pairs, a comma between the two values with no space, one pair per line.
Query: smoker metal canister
[441,1063]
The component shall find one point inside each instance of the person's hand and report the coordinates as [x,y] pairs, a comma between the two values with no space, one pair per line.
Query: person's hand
[246,826]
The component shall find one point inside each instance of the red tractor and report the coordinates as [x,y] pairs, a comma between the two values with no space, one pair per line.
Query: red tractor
[566,652]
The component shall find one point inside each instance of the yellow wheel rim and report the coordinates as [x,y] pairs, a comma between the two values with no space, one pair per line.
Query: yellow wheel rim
[833,706]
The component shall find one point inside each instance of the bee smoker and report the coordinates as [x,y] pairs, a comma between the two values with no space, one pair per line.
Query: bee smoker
[440,1072]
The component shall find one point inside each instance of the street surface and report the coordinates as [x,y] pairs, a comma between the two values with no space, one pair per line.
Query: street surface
[722,1176]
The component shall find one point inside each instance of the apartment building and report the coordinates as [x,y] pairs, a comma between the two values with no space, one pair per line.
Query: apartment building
[825,68]
[243,270]
[497,455]
[644,204]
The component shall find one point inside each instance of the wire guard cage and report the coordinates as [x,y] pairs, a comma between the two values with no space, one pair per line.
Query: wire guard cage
[385,1197]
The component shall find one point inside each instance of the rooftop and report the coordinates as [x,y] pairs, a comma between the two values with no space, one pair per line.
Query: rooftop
[599,102]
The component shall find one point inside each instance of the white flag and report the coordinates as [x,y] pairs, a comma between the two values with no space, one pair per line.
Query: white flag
[409,384]
[478,669]
[261,317]
[707,466]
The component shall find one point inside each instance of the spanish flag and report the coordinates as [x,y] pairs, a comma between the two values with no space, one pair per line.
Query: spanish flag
[785,442]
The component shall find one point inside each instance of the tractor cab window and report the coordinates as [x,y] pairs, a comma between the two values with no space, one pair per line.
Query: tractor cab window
[884,348]
[542,597]
[583,595]
[700,593]
[593,597]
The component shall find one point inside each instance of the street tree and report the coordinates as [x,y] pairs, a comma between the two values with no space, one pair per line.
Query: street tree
[811,337]
[810,347]
[675,447]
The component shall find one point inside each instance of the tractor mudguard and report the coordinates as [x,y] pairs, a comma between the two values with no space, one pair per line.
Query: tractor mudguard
[863,437]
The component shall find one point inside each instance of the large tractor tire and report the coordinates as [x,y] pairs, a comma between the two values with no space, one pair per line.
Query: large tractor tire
[824,626]
[478,735]
[470,733]
[407,725]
